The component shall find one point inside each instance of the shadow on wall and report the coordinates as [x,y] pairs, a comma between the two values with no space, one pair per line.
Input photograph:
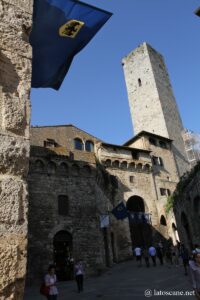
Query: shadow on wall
[9,78]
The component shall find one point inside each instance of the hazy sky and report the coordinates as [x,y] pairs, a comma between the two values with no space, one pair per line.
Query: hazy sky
[93,96]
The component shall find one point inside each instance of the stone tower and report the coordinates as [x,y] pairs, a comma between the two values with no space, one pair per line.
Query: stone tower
[151,100]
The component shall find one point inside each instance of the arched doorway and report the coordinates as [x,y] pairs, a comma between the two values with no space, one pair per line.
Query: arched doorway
[62,244]
[141,232]
[185,224]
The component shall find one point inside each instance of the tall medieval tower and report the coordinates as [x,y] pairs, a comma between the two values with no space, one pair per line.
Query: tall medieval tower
[151,100]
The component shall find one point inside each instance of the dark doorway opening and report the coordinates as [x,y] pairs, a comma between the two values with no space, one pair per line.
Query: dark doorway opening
[62,244]
[141,232]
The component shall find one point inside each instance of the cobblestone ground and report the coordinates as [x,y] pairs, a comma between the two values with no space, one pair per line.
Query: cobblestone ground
[125,281]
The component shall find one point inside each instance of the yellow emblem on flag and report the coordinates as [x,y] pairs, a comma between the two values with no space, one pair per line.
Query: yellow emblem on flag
[71,28]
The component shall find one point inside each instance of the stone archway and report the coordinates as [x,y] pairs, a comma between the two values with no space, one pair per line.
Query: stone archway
[62,245]
[141,232]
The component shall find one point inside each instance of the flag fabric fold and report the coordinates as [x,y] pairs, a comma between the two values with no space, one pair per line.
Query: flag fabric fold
[61,28]
[120,212]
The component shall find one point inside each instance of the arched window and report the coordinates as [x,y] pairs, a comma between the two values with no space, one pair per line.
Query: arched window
[89,146]
[163,221]
[147,167]
[131,166]
[86,170]
[75,169]
[139,82]
[39,166]
[124,165]
[116,164]
[63,205]
[78,144]
[51,168]
[108,163]
[63,168]
[139,167]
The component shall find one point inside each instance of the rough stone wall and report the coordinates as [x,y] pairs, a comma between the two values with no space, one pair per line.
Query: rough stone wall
[187,212]
[81,182]
[152,103]
[15,75]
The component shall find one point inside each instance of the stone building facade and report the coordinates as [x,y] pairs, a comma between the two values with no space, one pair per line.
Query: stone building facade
[15,76]
[68,194]
[75,178]
[187,199]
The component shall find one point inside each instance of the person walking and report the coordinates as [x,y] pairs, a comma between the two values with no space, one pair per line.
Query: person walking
[79,272]
[185,257]
[145,253]
[168,255]
[159,253]
[50,280]
[152,253]
[138,254]
[194,270]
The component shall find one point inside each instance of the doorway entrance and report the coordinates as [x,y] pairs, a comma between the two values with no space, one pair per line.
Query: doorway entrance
[141,231]
[62,244]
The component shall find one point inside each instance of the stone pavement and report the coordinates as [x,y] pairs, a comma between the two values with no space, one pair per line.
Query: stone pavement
[124,281]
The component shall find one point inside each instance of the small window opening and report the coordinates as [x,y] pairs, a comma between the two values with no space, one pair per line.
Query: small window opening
[139,82]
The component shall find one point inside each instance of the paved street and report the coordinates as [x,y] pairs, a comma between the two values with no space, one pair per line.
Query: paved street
[124,281]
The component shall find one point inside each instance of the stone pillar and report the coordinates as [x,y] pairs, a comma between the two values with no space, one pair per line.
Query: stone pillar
[15,76]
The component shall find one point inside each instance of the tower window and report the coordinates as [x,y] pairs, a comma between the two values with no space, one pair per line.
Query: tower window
[162,192]
[139,82]
[131,179]
[152,141]
[165,192]
[78,144]
[163,144]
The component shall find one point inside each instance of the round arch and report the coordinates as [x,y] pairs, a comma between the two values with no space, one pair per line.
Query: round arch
[141,232]
[136,204]
[163,221]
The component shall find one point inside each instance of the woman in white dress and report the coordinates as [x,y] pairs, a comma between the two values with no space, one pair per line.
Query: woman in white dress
[50,281]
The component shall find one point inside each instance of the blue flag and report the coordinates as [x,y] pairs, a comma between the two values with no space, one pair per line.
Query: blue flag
[61,28]
[120,212]
[139,218]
